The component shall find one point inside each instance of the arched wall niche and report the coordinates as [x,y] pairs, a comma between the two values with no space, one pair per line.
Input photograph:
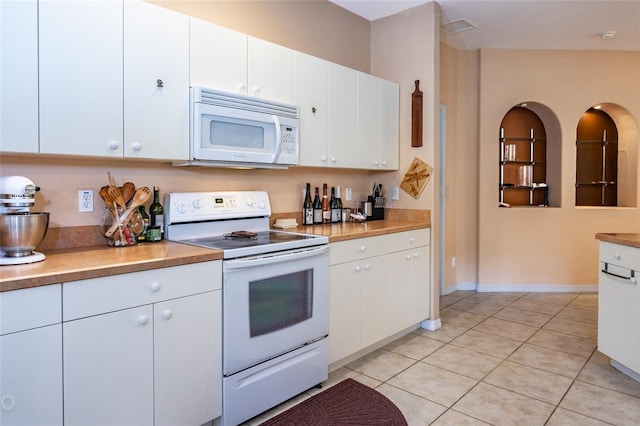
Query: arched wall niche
[628,140]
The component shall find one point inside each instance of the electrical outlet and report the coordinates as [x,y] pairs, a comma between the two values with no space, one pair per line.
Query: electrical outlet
[395,193]
[85,200]
[348,194]
[453,261]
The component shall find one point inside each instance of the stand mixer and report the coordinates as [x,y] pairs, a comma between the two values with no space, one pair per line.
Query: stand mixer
[20,230]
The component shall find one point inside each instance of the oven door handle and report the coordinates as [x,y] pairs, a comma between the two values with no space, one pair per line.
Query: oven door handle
[272,258]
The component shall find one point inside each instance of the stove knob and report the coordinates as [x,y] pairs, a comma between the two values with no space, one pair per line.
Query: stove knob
[262,204]
[181,208]
[197,204]
[249,201]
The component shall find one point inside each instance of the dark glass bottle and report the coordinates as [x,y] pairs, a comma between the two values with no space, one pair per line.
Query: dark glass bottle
[317,208]
[145,224]
[326,210]
[339,203]
[307,207]
[156,211]
[333,205]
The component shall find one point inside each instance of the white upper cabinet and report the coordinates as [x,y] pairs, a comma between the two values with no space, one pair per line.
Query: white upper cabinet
[19,76]
[343,115]
[269,71]
[81,81]
[311,86]
[156,82]
[378,123]
[218,57]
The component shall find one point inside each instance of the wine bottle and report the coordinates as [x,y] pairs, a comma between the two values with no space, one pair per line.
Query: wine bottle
[339,203]
[326,210]
[145,224]
[307,207]
[317,208]
[333,205]
[156,211]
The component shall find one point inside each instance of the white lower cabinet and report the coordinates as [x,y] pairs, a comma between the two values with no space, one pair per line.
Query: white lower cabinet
[31,357]
[378,286]
[159,363]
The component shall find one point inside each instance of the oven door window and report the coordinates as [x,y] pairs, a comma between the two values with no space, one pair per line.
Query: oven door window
[279,302]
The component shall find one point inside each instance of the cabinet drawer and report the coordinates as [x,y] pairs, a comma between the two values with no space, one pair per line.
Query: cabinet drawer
[620,255]
[30,308]
[361,248]
[106,294]
[407,240]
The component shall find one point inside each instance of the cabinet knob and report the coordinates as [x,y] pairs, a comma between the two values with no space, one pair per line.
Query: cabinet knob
[334,159]
[323,159]
[143,319]
[412,240]
[357,268]
[376,163]
[617,255]
[415,254]
[255,90]
[384,163]
[136,146]
[113,145]
[362,249]
[633,280]
[314,109]
[167,314]
[242,88]
[155,287]
[7,402]
[367,267]
[159,83]
[408,257]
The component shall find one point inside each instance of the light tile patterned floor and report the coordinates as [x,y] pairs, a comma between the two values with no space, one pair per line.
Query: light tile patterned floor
[500,359]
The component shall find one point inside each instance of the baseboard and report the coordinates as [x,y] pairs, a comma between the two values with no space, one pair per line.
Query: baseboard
[537,288]
[431,325]
[522,288]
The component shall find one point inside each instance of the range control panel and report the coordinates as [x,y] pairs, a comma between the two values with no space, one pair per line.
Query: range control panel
[181,207]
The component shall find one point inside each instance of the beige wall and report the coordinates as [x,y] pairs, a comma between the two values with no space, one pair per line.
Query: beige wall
[553,245]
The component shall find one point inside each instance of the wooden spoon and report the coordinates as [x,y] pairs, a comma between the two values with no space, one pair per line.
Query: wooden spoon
[116,196]
[128,190]
[139,198]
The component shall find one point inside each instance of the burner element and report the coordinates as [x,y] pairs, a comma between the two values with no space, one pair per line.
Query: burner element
[241,235]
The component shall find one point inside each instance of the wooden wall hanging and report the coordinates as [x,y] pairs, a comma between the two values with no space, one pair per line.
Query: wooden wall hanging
[416,177]
[416,117]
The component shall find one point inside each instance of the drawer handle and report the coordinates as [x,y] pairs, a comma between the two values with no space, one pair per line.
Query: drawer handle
[362,248]
[412,240]
[155,287]
[8,402]
[632,279]
[617,255]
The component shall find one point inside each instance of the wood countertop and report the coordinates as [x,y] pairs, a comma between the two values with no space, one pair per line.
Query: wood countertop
[76,264]
[351,230]
[65,265]
[631,240]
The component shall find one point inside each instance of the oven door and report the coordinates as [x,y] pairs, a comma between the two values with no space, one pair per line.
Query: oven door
[273,304]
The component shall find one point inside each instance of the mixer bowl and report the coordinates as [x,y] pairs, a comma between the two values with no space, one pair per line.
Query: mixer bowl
[20,233]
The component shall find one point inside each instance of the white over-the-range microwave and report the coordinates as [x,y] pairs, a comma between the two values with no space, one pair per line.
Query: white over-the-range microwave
[228,129]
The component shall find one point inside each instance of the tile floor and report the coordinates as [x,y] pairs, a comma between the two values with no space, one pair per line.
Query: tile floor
[500,359]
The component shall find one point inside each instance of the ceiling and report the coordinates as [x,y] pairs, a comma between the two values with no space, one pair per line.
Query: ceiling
[525,24]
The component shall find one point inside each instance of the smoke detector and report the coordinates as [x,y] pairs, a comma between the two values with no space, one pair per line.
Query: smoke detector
[457,26]
[607,35]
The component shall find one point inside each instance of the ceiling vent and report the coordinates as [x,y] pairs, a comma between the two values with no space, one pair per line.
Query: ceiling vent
[457,26]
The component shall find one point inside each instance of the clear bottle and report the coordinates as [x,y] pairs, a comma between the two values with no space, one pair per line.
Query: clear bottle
[333,205]
[326,210]
[307,207]
[317,208]
[339,203]
[156,212]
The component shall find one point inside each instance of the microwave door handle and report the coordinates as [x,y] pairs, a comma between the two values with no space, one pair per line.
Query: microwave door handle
[276,121]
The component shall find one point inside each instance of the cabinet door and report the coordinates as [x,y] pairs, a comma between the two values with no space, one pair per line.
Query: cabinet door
[368,121]
[81,83]
[344,310]
[108,369]
[188,360]
[343,115]
[311,86]
[420,283]
[374,293]
[619,319]
[400,289]
[269,71]
[218,57]
[389,126]
[31,377]
[156,82]
[19,76]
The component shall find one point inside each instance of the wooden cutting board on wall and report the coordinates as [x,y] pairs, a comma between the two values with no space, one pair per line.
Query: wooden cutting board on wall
[416,177]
